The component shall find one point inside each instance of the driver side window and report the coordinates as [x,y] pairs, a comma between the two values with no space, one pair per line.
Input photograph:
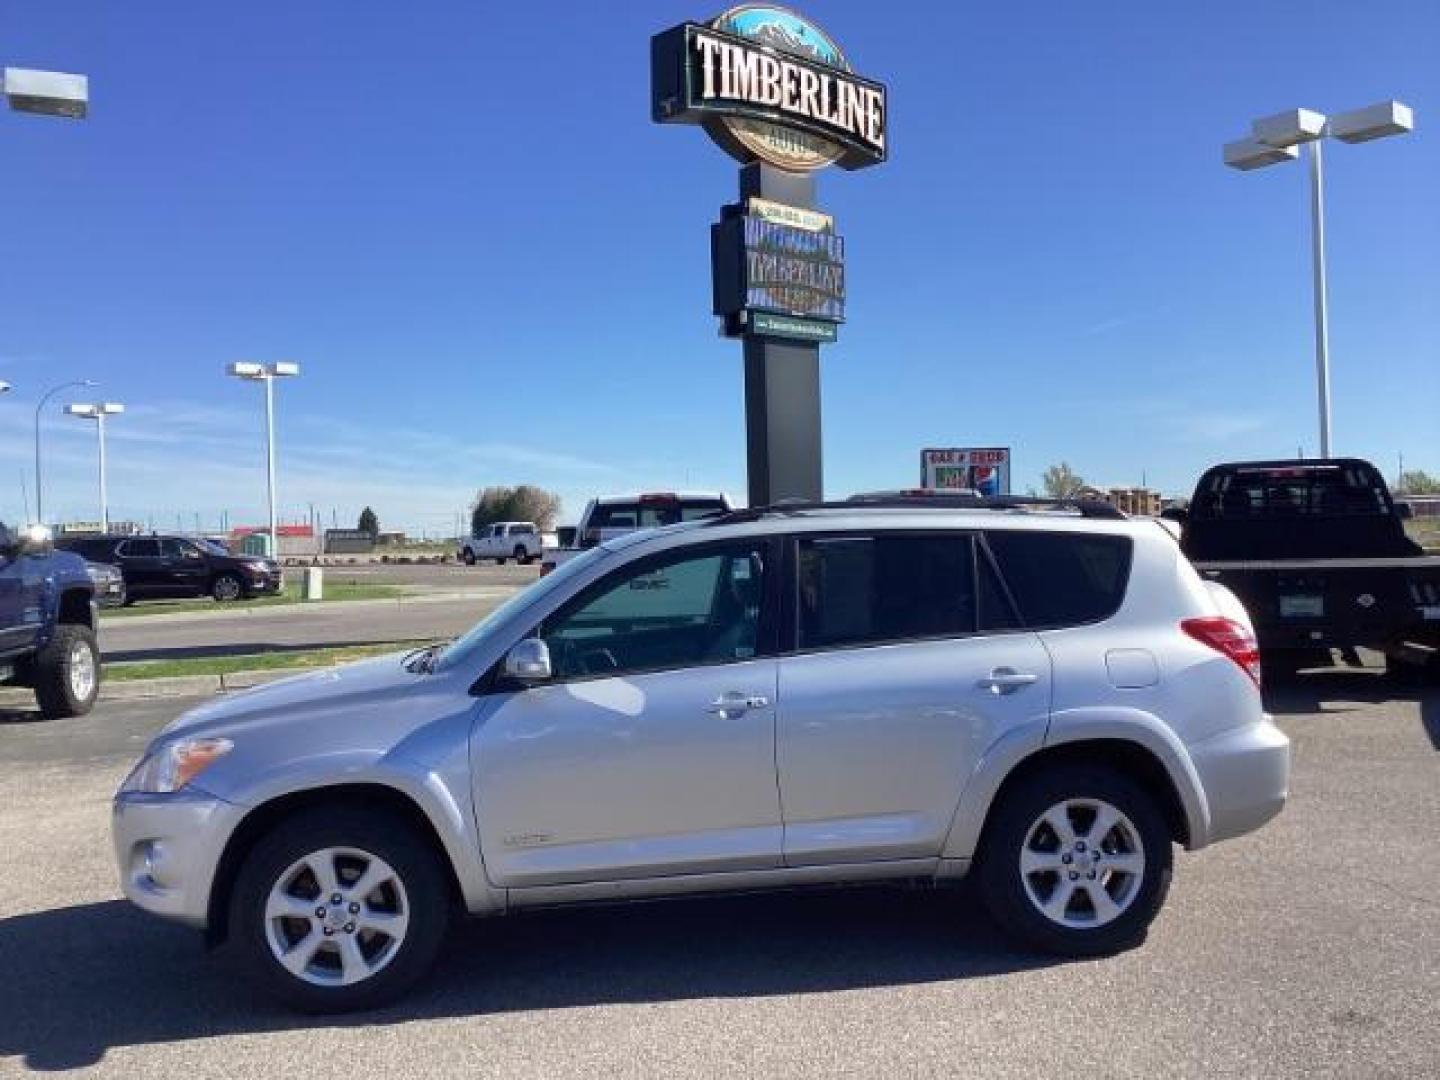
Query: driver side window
[700,607]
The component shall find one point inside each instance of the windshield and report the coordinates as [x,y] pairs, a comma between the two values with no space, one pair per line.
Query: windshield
[459,650]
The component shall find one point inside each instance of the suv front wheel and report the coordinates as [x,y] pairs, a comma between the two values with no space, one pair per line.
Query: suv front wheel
[67,672]
[334,912]
[1076,861]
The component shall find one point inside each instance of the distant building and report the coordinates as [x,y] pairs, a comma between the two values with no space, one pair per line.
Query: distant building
[348,542]
[1135,500]
[294,540]
[91,528]
[1128,500]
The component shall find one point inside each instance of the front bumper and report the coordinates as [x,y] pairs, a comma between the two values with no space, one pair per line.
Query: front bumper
[268,585]
[1245,773]
[167,848]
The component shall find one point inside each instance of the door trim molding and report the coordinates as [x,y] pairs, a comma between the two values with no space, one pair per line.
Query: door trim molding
[730,881]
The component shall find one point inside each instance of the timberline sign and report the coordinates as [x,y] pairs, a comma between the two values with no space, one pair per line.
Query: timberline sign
[769,85]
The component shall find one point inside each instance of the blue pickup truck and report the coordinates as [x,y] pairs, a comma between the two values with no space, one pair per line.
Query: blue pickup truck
[47,623]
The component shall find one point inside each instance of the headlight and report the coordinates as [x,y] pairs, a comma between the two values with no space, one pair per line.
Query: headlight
[171,766]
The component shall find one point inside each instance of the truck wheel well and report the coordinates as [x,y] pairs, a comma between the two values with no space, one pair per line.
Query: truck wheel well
[75,608]
[1126,757]
[260,820]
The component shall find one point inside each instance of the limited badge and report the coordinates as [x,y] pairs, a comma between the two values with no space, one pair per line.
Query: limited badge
[1365,600]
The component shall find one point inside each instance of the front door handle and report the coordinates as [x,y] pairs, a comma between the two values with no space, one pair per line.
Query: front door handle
[1006,680]
[735,704]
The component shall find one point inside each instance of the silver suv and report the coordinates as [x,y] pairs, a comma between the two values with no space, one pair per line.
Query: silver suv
[1044,701]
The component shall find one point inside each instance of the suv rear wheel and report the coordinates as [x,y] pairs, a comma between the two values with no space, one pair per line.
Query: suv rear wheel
[1076,861]
[67,672]
[334,912]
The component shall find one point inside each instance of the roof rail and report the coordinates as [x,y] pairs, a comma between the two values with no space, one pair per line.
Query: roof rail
[1089,508]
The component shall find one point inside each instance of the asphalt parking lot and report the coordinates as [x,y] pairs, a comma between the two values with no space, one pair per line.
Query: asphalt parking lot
[1309,949]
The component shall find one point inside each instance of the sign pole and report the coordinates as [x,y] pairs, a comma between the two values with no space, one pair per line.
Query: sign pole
[782,379]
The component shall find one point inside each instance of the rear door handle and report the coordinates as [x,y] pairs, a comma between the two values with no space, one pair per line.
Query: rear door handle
[735,703]
[1006,680]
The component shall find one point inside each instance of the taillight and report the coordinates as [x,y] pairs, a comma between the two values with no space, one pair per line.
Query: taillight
[1228,637]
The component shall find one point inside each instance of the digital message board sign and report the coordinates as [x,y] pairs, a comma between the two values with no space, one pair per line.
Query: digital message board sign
[765,265]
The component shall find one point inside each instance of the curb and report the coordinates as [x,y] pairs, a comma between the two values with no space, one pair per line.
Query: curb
[169,686]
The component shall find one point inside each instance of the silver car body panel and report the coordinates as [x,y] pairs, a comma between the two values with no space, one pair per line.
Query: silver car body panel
[628,786]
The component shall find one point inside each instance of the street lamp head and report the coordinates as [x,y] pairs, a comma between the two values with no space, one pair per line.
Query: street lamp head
[1373,122]
[5,387]
[1247,154]
[49,93]
[95,410]
[284,368]
[244,369]
[1289,128]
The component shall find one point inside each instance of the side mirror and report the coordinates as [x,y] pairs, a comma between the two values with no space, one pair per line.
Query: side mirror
[1404,511]
[1177,514]
[528,661]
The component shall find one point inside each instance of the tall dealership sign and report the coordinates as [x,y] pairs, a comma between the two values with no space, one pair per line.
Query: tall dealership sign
[776,93]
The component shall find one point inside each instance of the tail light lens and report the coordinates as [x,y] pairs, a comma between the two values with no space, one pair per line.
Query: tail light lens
[1228,637]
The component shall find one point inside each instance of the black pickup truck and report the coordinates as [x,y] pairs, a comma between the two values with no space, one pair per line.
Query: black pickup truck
[1317,551]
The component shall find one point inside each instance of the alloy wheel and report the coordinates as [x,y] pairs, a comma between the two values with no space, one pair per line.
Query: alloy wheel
[1082,863]
[81,671]
[336,917]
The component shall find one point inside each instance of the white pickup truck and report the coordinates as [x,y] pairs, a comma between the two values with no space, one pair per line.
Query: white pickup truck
[518,540]
[616,515]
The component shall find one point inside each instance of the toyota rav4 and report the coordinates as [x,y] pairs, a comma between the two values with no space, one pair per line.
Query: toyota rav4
[1044,701]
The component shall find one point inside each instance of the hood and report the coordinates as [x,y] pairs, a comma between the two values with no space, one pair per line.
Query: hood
[364,682]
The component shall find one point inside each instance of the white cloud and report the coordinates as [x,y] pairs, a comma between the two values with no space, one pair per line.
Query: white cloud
[180,457]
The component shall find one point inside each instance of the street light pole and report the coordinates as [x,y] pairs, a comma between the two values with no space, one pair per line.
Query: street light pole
[267,374]
[270,463]
[1276,139]
[1322,312]
[39,487]
[97,412]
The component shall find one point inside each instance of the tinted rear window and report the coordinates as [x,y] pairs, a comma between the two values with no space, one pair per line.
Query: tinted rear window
[145,547]
[650,515]
[1261,492]
[864,590]
[94,548]
[1063,579]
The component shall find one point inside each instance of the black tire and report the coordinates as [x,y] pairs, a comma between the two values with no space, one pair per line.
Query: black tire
[469,557]
[1003,887]
[520,557]
[56,675]
[227,587]
[499,560]
[415,862]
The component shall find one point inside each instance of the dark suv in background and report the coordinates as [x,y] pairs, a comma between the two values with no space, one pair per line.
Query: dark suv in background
[174,566]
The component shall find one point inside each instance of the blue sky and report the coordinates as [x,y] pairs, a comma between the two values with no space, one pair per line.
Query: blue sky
[458,218]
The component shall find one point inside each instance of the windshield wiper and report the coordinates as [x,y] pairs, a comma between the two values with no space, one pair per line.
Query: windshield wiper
[423,659]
